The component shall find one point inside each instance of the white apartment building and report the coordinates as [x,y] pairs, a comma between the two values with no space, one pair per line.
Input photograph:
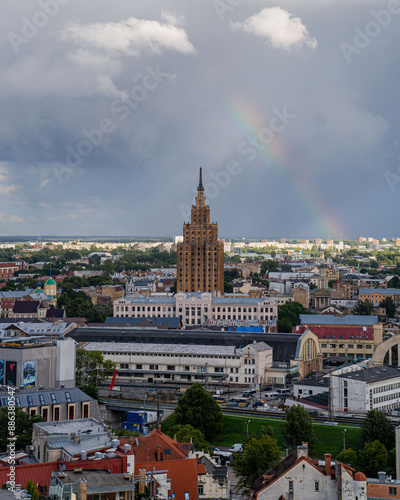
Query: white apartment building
[366,389]
[184,363]
[194,308]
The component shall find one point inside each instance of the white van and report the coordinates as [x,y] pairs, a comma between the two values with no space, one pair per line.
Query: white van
[236,448]
[283,392]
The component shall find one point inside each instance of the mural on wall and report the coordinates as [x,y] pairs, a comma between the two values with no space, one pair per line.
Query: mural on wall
[11,373]
[29,379]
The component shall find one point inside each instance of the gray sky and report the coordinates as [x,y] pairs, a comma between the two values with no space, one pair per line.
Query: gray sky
[108,109]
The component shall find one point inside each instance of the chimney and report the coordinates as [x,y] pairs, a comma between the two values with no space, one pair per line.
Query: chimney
[302,450]
[82,490]
[142,480]
[328,467]
[77,439]
[381,476]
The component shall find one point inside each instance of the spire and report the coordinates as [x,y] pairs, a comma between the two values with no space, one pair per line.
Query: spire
[200,186]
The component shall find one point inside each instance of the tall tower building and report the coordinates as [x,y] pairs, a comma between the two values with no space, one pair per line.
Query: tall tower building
[200,257]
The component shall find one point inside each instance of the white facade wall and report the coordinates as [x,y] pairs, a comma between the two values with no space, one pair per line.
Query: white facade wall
[195,309]
[238,366]
[306,481]
[363,396]
[66,363]
[302,478]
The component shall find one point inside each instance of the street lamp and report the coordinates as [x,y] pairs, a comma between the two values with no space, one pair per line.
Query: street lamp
[247,429]
[344,438]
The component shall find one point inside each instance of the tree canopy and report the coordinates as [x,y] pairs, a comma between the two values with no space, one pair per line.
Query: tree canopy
[363,308]
[91,367]
[23,428]
[186,434]
[390,307]
[290,312]
[198,409]
[377,426]
[298,427]
[373,458]
[258,456]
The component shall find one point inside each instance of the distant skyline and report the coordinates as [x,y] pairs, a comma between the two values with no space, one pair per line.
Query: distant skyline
[108,109]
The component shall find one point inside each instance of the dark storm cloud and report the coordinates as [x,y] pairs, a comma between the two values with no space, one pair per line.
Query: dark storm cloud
[108,110]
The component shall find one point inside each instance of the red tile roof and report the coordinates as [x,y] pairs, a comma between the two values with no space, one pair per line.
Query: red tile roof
[338,332]
[183,475]
[156,442]
[40,473]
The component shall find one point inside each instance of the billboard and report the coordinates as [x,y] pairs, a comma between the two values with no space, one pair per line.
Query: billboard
[1,372]
[29,378]
[11,373]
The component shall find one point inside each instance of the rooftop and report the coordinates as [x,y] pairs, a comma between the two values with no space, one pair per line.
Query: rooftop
[350,320]
[374,374]
[125,347]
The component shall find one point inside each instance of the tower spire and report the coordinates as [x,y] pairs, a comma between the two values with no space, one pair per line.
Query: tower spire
[200,186]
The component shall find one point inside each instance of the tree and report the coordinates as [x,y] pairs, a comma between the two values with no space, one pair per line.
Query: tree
[286,268]
[390,307]
[285,325]
[91,390]
[373,458]
[363,308]
[23,428]
[348,457]
[298,427]
[31,489]
[91,367]
[290,311]
[394,282]
[199,409]
[258,456]
[377,426]
[186,434]
[268,266]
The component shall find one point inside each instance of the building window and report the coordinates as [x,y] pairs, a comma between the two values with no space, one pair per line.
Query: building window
[201,489]
[85,410]
[316,485]
[170,367]
[290,485]
[45,413]
[392,490]
[56,413]
[71,412]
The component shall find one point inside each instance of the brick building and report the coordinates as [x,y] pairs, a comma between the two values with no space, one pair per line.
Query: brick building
[7,269]
[200,257]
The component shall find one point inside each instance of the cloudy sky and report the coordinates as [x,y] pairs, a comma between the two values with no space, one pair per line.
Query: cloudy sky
[109,108]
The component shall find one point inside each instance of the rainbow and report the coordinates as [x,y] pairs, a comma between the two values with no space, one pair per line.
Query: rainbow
[246,120]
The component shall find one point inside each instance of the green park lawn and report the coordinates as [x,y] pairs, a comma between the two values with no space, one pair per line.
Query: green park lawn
[329,438]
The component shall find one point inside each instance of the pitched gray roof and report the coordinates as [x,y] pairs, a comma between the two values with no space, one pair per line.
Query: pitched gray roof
[60,395]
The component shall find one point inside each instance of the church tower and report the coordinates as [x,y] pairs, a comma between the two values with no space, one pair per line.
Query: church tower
[200,257]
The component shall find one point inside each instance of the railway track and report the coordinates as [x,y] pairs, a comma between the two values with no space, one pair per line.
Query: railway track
[246,412]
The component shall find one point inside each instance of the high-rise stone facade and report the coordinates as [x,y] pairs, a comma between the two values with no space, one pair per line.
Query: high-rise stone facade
[200,257]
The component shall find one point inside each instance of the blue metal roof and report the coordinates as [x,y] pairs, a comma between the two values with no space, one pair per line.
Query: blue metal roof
[350,320]
[382,291]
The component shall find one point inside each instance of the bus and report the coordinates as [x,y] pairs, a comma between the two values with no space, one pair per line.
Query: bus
[284,392]
[249,393]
